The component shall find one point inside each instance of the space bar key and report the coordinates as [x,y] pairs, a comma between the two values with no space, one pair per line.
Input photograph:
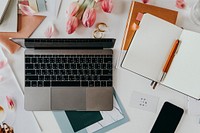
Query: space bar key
[65,83]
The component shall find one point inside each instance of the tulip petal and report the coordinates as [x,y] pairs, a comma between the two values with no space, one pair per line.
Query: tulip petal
[180,4]
[71,24]
[10,103]
[89,17]
[1,78]
[2,64]
[107,6]
[73,9]
[26,10]
[139,16]
[50,31]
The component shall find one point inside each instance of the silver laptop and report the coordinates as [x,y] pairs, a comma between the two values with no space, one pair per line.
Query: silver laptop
[68,74]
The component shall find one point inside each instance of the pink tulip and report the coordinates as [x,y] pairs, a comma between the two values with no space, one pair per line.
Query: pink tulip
[71,24]
[10,103]
[180,4]
[2,63]
[50,31]
[73,9]
[1,78]
[107,5]
[89,17]
[145,1]
[26,10]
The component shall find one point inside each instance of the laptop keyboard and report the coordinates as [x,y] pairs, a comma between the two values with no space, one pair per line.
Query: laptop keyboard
[68,70]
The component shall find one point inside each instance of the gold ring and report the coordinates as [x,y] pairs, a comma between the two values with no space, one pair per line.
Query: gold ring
[100,25]
[97,34]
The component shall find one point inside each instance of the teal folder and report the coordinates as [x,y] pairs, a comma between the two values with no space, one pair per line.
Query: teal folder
[66,127]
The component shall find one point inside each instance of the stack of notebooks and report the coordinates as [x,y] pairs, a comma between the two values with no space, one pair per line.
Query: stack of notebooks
[17,26]
[151,48]
[140,8]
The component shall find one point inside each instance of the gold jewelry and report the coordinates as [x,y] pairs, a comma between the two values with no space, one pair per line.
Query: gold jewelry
[97,34]
[100,26]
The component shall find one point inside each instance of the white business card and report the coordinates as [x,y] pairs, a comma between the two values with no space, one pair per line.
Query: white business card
[144,101]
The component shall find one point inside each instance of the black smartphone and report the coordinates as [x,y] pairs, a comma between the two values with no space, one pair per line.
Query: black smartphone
[168,119]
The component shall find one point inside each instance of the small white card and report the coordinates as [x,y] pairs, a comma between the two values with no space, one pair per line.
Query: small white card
[193,106]
[144,101]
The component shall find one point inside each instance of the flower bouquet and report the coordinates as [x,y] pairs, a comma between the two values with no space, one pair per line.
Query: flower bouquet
[84,11]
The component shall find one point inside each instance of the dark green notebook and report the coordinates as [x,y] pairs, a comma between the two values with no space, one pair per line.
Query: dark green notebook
[82,119]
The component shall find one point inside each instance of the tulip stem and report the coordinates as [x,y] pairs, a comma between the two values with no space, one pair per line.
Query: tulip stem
[81,6]
[93,3]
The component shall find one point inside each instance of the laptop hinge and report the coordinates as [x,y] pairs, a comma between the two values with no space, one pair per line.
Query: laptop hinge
[80,48]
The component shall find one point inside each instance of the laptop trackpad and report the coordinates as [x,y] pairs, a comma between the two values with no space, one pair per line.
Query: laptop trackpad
[64,98]
[37,98]
[99,98]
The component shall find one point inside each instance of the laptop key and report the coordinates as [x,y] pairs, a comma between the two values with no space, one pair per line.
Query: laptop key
[71,77]
[44,72]
[31,77]
[67,66]
[65,77]
[47,83]
[103,66]
[109,66]
[40,83]
[107,60]
[38,72]
[34,83]
[109,83]
[29,66]
[40,60]
[97,83]
[34,60]
[41,77]
[27,60]
[27,84]
[65,83]
[30,72]
[49,66]
[46,60]
[37,66]
[103,83]
[105,72]
[53,77]
[58,77]
[43,66]
[84,83]
[91,83]
[105,77]
[61,66]
[47,78]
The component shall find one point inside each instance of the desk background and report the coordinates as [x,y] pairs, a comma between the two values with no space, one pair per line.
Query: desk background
[124,82]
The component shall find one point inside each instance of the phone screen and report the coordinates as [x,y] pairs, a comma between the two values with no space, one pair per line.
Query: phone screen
[168,119]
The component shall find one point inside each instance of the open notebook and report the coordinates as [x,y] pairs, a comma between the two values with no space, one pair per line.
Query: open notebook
[149,51]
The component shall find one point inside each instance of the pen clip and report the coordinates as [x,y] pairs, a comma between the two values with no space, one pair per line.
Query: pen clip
[163,76]
[154,84]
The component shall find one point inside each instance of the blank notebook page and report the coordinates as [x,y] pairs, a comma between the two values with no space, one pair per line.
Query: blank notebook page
[150,47]
[184,72]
